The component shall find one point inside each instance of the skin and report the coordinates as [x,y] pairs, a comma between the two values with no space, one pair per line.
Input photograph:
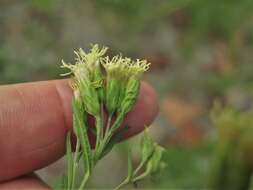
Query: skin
[34,119]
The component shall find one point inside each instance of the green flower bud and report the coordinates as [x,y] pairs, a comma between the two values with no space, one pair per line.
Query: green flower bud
[155,164]
[88,78]
[115,70]
[89,97]
[123,82]
[112,95]
[148,146]
[130,96]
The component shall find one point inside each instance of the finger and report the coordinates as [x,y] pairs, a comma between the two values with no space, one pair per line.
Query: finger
[24,183]
[34,118]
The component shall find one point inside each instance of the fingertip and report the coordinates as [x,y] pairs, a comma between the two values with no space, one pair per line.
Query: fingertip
[65,94]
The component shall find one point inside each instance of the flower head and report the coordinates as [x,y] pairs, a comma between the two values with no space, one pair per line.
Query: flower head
[123,80]
[124,68]
[91,59]
[87,65]
[88,78]
[137,68]
[115,67]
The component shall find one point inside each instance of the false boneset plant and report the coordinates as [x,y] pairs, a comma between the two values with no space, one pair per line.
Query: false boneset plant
[104,85]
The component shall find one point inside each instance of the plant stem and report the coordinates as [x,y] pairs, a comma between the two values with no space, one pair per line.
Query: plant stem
[108,125]
[84,181]
[109,134]
[139,167]
[143,163]
[75,164]
[114,127]
[128,181]
[140,177]
[125,182]
[99,126]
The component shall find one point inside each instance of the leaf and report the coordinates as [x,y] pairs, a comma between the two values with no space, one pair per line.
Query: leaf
[155,164]
[70,162]
[147,146]
[81,132]
[131,93]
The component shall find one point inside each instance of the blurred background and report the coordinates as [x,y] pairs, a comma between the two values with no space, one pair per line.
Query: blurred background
[200,51]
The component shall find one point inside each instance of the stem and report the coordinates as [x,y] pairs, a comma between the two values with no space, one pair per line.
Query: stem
[102,121]
[99,126]
[84,181]
[114,127]
[100,133]
[140,177]
[143,163]
[125,182]
[109,134]
[139,167]
[108,125]
[75,164]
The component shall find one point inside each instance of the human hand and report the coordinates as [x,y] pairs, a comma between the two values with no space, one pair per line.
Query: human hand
[34,120]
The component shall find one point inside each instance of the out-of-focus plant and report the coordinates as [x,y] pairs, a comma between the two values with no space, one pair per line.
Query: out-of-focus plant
[232,166]
[218,19]
[102,84]
[202,20]
[135,16]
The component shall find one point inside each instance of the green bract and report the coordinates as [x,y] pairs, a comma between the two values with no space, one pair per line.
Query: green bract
[102,84]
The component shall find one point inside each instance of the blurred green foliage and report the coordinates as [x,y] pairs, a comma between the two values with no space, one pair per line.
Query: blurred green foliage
[219,19]
[232,164]
[187,167]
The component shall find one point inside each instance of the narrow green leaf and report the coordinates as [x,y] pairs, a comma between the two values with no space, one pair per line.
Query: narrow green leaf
[155,163]
[69,161]
[81,132]
[148,147]
[147,144]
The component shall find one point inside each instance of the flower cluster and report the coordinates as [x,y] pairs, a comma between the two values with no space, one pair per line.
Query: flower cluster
[120,81]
